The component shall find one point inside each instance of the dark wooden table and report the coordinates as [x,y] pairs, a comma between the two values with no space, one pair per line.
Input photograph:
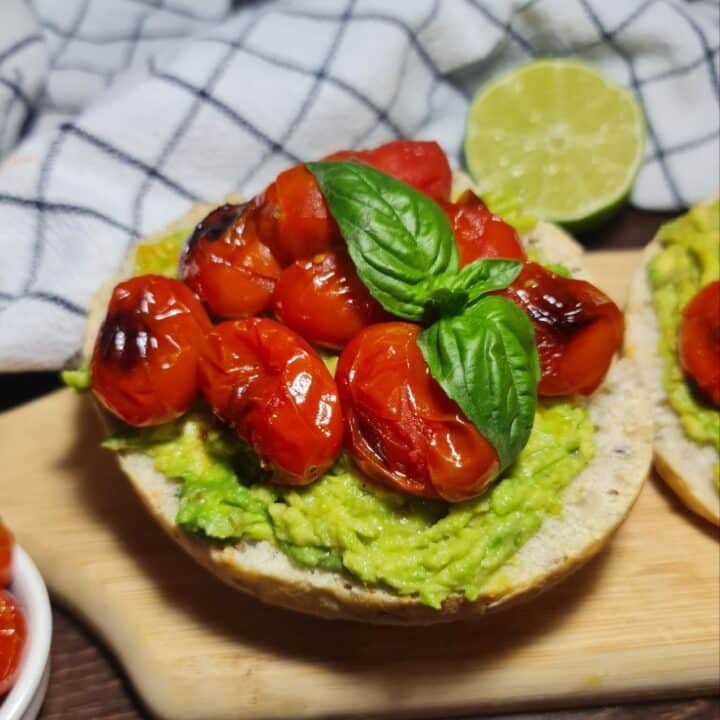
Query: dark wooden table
[86,683]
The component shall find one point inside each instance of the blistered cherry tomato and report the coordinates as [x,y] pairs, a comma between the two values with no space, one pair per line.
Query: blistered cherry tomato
[13,633]
[276,391]
[6,550]
[699,340]
[403,430]
[144,365]
[292,217]
[324,300]
[423,165]
[227,265]
[479,233]
[578,329]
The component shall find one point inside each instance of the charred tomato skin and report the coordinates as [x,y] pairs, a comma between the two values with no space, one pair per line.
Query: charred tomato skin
[7,542]
[144,363]
[402,429]
[578,329]
[480,234]
[323,299]
[699,340]
[227,265]
[13,636]
[273,388]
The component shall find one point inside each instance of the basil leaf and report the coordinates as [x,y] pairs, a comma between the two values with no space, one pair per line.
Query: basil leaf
[398,238]
[486,275]
[482,349]
[450,293]
[486,360]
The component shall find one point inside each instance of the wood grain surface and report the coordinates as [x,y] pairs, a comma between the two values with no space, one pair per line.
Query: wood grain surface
[87,685]
[639,621]
[86,681]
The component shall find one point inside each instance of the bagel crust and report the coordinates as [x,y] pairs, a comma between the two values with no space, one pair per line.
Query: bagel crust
[685,465]
[594,504]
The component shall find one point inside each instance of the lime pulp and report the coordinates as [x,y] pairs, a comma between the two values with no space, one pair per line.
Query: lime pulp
[559,138]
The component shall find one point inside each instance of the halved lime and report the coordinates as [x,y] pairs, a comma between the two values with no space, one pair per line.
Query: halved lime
[560,138]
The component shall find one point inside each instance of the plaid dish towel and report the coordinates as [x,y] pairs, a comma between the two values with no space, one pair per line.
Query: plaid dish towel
[116,114]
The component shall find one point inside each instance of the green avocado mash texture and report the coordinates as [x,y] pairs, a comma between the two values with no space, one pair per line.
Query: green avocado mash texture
[340,522]
[689,260]
[343,523]
[161,257]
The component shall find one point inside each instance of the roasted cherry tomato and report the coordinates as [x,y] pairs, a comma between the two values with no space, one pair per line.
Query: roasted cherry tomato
[13,633]
[293,218]
[324,300]
[276,391]
[6,551]
[144,365]
[421,164]
[699,340]
[403,430]
[228,267]
[578,329]
[479,233]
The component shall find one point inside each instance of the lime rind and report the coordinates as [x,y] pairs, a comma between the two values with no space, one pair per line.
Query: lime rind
[558,136]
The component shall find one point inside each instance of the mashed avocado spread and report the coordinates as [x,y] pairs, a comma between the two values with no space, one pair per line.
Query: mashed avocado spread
[689,260]
[161,257]
[341,522]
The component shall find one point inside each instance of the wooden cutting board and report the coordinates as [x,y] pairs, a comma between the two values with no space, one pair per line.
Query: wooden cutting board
[640,620]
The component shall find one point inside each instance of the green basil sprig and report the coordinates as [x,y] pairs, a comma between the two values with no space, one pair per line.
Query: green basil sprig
[402,245]
[481,348]
[486,360]
[398,239]
[451,293]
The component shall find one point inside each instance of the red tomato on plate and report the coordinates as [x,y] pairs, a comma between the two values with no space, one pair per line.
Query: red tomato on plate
[324,300]
[13,634]
[699,340]
[479,233]
[144,364]
[277,393]
[423,165]
[403,430]
[227,265]
[292,217]
[6,551]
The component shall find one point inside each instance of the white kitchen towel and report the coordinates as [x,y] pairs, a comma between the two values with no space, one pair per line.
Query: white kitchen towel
[116,114]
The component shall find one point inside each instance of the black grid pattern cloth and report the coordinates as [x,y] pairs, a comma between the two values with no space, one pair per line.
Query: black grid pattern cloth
[115,115]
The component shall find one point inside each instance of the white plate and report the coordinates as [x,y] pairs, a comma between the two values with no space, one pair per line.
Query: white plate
[25,698]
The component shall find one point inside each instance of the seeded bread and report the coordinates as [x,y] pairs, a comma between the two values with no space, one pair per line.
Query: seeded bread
[685,465]
[595,503]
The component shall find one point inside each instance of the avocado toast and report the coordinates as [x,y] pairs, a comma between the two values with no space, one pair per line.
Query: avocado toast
[345,548]
[682,258]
